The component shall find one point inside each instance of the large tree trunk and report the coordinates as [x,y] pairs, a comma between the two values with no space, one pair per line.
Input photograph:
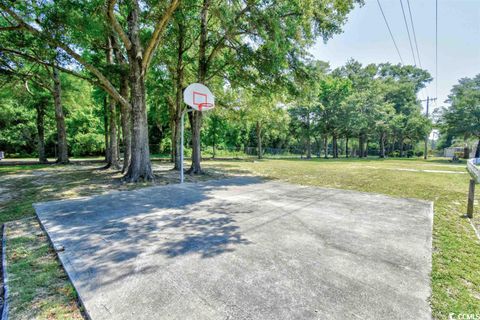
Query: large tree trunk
[62,155]
[335,146]
[259,140]
[309,145]
[346,147]
[309,148]
[196,117]
[173,141]
[477,152]
[360,146]
[125,112]
[113,154]
[317,147]
[382,145]
[114,159]
[213,147]
[140,167]
[365,154]
[391,145]
[42,158]
[105,126]
[177,113]
[176,141]
[325,146]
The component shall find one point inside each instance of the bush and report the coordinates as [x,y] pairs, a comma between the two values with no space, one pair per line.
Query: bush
[89,144]
[459,154]
[18,155]
[409,153]
[394,154]
[419,153]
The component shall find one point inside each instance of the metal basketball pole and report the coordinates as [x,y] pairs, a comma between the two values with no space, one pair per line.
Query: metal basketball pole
[181,146]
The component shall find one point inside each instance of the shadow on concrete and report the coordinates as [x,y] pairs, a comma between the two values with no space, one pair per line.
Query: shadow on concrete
[207,236]
[105,236]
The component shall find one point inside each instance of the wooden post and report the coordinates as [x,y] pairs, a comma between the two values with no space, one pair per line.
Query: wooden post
[471,198]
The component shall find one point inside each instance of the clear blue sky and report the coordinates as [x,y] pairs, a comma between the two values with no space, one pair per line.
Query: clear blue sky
[366,39]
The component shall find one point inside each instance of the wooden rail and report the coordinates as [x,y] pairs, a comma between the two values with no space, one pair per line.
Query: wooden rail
[473,168]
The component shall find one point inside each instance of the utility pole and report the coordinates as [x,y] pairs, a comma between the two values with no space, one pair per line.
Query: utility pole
[425,155]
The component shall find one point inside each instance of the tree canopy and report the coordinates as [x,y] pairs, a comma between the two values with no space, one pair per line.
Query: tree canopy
[106,77]
[462,117]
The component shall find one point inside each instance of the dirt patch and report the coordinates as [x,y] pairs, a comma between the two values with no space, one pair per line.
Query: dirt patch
[22,188]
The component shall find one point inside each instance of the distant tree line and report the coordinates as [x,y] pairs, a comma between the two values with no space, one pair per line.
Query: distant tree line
[349,111]
[373,104]
[106,78]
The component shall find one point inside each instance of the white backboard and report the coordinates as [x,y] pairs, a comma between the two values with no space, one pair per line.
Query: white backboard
[199,97]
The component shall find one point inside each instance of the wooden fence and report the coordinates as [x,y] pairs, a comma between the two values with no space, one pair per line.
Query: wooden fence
[474,169]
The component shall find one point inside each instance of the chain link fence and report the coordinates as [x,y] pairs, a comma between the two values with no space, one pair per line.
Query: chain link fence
[251,152]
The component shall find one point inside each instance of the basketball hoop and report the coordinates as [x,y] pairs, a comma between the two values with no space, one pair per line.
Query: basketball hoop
[199,98]
[205,106]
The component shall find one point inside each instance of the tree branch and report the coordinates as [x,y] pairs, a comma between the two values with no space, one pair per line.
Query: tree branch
[39,83]
[28,89]
[116,25]
[10,28]
[32,58]
[220,43]
[25,77]
[157,33]
[219,69]
[118,53]
[105,83]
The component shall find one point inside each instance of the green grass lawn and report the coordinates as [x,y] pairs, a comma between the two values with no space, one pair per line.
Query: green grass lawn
[39,287]
[456,249]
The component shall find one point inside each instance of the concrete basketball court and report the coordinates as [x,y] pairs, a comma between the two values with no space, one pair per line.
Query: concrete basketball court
[244,248]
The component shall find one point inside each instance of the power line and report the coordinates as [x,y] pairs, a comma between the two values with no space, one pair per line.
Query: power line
[390,31]
[414,33]
[416,45]
[408,32]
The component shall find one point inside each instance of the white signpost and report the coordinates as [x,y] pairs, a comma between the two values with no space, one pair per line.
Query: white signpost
[199,98]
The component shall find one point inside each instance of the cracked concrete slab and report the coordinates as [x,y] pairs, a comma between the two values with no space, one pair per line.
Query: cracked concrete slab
[245,248]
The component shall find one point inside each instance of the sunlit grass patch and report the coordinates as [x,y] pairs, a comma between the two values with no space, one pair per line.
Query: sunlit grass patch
[39,288]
